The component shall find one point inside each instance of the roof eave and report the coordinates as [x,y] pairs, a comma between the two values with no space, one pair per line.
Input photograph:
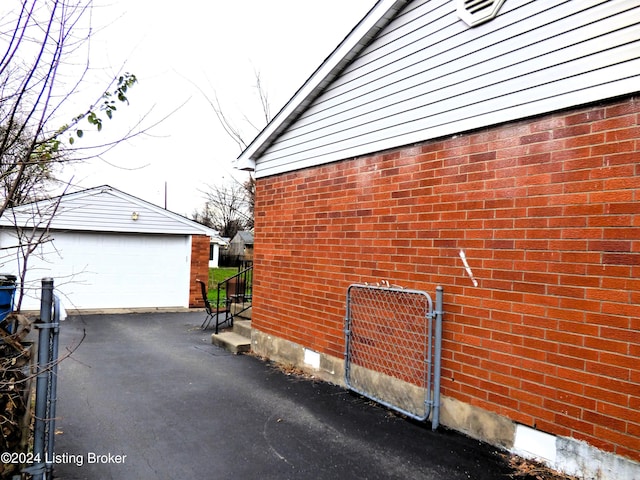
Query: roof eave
[377,18]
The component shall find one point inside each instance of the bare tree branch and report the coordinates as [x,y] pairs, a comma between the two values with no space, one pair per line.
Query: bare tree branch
[226,209]
[32,230]
[42,45]
[37,79]
[225,199]
[264,98]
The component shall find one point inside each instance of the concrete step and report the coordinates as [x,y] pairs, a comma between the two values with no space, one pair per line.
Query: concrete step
[231,341]
[242,327]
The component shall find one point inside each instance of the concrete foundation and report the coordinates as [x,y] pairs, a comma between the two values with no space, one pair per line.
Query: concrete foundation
[559,453]
[406,396]
[477,422]
[572,456]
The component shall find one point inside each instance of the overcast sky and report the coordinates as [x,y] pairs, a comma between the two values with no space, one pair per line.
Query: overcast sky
[177,48]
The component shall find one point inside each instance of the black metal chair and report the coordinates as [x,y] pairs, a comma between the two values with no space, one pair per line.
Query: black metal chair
[214,313]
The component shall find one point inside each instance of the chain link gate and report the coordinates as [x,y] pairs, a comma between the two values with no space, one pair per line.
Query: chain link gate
[393,340]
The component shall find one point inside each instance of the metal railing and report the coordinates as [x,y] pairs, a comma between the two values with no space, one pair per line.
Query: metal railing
[238,296]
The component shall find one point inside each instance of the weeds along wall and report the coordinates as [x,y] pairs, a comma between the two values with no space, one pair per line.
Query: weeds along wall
[547,212]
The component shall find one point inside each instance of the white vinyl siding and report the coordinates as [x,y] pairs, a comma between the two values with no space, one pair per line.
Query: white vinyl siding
[112,213]
[427,74]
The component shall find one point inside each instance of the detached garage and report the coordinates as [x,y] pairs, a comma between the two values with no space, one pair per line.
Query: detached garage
[106,249]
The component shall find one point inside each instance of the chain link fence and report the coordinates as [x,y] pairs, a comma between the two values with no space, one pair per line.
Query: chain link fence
[393,337]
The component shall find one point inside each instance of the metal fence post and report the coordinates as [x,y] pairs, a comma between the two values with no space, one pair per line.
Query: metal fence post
[435,421]
[53,386]
[42,379]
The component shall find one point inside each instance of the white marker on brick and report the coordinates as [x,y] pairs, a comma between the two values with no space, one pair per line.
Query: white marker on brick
[463,257]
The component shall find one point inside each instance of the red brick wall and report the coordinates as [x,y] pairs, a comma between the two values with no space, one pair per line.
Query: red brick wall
[548,214]
[199,269]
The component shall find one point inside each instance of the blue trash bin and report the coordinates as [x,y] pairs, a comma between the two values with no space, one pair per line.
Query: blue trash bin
[7,294]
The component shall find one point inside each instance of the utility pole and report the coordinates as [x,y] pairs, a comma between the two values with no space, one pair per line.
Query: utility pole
[165,195]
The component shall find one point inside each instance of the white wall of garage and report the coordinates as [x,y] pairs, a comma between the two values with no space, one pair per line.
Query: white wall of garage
[109,270]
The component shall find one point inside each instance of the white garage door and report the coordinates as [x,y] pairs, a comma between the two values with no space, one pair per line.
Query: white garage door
[103,270]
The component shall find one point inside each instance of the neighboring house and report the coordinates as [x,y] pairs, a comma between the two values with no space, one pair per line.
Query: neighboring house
[215,245]
[241,246]
[517,141]
[110,250]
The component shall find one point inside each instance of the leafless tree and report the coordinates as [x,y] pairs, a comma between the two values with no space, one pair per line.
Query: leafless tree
[243,191]
[30,233]
[226,209]
[231,126]
[44,60]
[40,44]
[250,199]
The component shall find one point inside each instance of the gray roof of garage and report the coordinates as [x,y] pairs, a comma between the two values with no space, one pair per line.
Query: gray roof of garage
[103,209]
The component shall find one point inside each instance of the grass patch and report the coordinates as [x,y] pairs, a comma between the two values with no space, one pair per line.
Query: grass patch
[218,275]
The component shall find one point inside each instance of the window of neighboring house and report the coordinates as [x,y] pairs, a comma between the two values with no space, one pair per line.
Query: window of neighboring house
[211,250]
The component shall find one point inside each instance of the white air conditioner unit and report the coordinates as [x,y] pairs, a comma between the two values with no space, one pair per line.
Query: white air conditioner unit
[475,12]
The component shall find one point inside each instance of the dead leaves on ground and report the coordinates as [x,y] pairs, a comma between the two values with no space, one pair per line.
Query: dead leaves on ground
[530,470]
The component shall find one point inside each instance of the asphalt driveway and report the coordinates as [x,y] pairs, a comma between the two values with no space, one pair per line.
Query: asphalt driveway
[146,396]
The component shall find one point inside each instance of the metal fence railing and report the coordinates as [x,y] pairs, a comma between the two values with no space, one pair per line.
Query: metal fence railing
[237,297]
[393,340]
